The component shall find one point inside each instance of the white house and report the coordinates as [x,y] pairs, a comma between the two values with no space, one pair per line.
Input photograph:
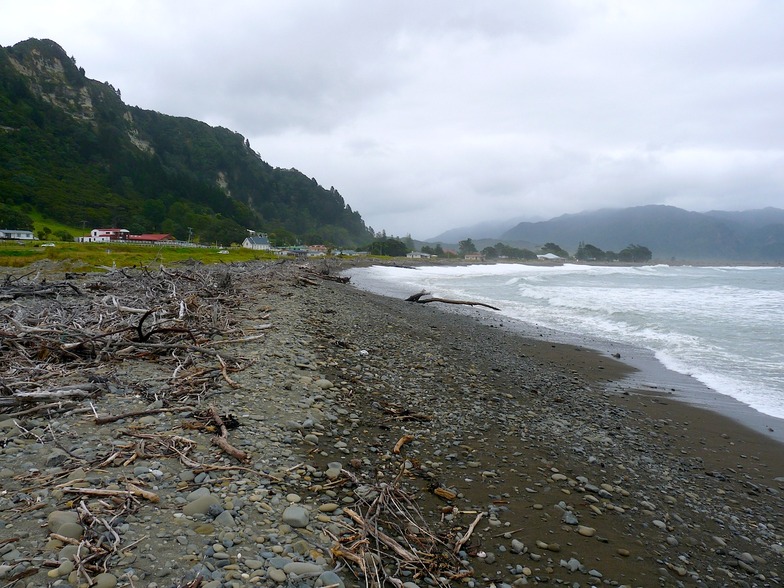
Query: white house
[418,255]
[105,236]
[16,234]
[257,242]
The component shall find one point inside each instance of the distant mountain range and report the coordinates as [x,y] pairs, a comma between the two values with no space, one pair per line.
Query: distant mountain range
[669,232]
[73,151]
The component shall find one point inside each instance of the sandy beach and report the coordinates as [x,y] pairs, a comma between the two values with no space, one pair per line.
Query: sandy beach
[379,441]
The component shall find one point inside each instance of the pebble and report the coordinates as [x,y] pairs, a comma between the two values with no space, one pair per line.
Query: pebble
[296,516]
[200,505]
[586,531]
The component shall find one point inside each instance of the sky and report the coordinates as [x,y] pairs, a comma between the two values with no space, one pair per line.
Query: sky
[432,115]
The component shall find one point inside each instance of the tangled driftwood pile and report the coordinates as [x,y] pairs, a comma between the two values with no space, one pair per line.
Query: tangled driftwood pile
[53,340]
[62,345]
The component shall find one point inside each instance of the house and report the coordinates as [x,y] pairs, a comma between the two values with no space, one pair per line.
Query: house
[260,242]
[474,257]
[105,236]
[150,238]
[418,255]
[16,234]
[317,250]
[549,257]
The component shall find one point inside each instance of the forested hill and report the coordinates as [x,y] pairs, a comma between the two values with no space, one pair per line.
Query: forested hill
[72,150]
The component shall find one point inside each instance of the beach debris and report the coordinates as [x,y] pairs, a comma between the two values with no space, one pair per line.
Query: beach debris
[389,538]
[401,442]
[222,440]
[420,298]
[398,413]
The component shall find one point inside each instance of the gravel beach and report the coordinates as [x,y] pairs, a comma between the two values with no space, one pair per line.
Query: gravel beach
[359,440]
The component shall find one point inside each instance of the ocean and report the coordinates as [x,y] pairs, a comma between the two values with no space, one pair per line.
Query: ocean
[720,326]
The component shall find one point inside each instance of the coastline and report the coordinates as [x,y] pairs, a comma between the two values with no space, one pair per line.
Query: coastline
[546,473]
[647,375]
[564,414]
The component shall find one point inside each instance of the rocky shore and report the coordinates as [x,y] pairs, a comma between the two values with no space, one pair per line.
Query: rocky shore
[305,433]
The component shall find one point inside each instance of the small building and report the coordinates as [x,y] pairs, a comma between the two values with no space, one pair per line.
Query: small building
[150,238]
[16,234]
[317,250]
[260,242]
[105,236]
[418,255]
[549,257]
[474,257]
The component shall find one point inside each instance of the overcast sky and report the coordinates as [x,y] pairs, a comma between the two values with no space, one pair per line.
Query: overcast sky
[430,115]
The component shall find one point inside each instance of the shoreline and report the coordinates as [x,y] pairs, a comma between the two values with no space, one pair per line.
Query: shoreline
[646,375]
[552,405]
[513,462]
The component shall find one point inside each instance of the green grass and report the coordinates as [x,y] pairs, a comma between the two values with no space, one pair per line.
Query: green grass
[40,221]
[97,256]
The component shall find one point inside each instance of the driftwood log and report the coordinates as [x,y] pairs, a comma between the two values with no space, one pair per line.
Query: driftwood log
[421,300]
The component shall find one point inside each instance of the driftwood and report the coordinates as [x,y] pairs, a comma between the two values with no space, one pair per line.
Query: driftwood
[132,490]
[52,396]
[419,298]
[222,440]
[401,442]
[390,537]
[326,276]
[102,420]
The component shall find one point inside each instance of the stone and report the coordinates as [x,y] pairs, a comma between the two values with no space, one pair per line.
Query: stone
[569,518]
[330,578]
[224,520]
[105,580]
[57,518]
[56,457]
[201,505]
[71,530]
[296,516]
[301,568]
[586,531]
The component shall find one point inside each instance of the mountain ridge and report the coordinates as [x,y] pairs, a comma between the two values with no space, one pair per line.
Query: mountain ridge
[74,149]
[670,232]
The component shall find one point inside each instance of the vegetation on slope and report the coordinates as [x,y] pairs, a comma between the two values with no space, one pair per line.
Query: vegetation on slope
[73,151]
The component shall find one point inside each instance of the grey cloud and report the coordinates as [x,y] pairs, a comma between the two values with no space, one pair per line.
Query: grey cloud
[432,115]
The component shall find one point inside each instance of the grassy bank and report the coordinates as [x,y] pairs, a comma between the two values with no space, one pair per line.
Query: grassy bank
[95,256]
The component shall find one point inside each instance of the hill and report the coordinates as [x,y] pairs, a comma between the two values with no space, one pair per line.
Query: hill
[669,232]
[72,149]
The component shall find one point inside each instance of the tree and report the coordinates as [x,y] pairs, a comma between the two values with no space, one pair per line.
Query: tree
[589,253]
[390,247]
[13,219]
[465,247]
[490,252]
[635,253]
[554,249]
[513,252]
